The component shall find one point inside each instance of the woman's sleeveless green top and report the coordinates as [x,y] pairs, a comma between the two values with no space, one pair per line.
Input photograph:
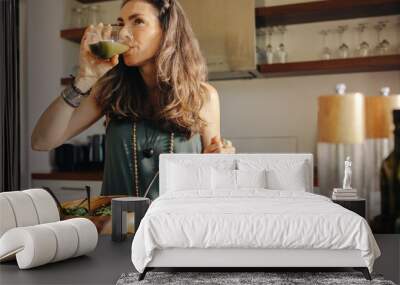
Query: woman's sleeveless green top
[118,174]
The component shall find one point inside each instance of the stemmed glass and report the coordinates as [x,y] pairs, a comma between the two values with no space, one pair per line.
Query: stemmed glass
[260,47]
[270,49]
[363,48]
[343,51]
[382,46]
[281,51]
[397,28]
[326,51]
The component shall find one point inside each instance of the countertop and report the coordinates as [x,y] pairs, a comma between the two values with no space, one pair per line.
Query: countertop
[96,175]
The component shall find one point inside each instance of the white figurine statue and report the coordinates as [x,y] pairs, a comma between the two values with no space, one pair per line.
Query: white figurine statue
[347,174]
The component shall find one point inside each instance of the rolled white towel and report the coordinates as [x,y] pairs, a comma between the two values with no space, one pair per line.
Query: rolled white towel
[7,218]
[40,244]
[23,208]
[46,207]
[67,240]
[33,246]
[87,235]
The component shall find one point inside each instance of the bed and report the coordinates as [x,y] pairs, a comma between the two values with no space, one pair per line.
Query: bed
[245,211]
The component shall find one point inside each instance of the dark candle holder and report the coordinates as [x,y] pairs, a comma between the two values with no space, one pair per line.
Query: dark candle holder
[120,207]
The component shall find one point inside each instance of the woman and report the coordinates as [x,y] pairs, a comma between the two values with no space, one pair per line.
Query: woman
[154,97]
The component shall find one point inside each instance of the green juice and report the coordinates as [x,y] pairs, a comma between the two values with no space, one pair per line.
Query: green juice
[107,49]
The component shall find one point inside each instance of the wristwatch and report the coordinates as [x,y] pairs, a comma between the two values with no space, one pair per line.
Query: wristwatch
[71,97]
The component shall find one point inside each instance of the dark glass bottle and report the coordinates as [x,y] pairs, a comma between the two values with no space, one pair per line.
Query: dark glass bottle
[390,184]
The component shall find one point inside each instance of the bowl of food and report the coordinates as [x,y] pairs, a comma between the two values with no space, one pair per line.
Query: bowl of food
[97,209]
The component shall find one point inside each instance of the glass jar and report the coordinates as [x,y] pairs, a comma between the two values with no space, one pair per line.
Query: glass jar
[85,14]
[76,18]
[93,15]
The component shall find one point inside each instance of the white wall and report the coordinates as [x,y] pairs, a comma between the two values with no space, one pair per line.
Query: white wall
[287,107]
[284,108]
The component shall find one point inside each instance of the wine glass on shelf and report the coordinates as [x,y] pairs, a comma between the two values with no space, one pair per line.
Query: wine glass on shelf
[382,47]
[326,51]
[93,14]
[343,51]
[260,47]
[363,47]
[76,18]
[270,49]
[397,31]
[281,50]
[85,15]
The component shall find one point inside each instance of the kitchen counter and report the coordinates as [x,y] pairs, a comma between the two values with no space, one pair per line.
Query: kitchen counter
[96,175]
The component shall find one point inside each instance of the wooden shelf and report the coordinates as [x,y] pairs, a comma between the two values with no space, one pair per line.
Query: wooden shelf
[74,35]
[328,10]
[349,65]
[93,1]
[70,175]
[66,81]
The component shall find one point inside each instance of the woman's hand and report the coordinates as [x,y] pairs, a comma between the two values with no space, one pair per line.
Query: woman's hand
[218,146]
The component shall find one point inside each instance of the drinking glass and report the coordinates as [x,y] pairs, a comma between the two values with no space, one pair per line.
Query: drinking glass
[281,51]
[397,31]
[260,47]
[326,51]
[270,49]
[109,43]
[76,18]
[363,48]
[343,51]
[382,47]
[93,15]
[85,15]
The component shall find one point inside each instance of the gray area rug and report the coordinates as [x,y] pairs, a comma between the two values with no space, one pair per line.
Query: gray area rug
[230,278]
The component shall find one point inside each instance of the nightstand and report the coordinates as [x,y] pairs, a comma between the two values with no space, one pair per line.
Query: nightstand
[358,206]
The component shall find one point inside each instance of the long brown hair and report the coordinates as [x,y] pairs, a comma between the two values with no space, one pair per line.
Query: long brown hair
[181,72]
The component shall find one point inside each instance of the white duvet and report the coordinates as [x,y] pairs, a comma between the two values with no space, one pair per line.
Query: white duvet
[251,218]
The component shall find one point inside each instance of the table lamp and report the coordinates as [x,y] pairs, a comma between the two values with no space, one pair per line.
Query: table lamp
[341,133]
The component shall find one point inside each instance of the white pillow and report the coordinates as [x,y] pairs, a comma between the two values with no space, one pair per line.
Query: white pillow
[282,174]
[251,178]
[181,177]
[223,179]
[293,179]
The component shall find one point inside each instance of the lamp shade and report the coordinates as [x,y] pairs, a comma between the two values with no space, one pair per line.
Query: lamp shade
[378,111]
[341,118]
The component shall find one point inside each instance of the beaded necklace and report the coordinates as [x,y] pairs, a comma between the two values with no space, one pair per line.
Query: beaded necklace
[134,158]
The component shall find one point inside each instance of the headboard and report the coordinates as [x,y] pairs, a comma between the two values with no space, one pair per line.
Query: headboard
[214,158]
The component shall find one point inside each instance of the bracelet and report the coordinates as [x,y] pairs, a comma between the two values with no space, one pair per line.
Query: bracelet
[76,89]
[71,97]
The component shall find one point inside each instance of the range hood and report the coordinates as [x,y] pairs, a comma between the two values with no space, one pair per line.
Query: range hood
[226,33]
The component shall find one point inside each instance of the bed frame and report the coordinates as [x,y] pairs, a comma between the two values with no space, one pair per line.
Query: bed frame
[244,259]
